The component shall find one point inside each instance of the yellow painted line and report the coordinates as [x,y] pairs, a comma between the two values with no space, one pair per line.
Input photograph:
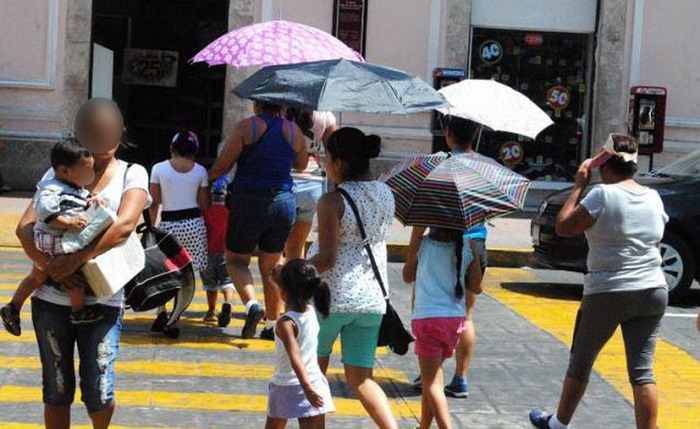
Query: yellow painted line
[199,293]
[11,249]
[206,401]
[193,369]
[11,425]
[147,319]
[16,276]
[677,372]
[7,233]
[186,340]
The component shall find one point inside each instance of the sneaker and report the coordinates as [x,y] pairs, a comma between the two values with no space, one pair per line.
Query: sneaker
[160,322]
[417,383]
[255,315]
[267,334]
[540,419]
[210,316]
[457,389]
[85,316]
[10,319]
[225,315]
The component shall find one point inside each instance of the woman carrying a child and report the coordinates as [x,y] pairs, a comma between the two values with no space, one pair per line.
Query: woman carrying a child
[99,126]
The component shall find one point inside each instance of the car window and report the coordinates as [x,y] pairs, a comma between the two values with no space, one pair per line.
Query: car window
[688,165]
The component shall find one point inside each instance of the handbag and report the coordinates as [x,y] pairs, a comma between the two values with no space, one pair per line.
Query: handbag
[168,273]
[392,331]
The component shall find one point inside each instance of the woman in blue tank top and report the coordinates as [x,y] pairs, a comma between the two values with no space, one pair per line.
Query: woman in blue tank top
[264,149]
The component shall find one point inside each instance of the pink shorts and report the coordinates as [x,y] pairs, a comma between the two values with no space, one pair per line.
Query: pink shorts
[437,337]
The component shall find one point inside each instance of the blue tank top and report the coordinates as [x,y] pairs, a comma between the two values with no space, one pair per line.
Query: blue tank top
[265,165]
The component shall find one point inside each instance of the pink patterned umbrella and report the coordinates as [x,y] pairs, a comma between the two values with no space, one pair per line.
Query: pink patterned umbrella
[274,43]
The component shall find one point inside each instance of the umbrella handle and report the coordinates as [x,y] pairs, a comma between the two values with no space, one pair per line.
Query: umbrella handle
[478,140]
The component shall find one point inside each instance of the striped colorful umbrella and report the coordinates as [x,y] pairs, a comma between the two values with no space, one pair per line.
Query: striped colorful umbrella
[454,191]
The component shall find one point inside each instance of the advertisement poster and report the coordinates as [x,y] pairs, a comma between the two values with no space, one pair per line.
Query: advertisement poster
[150,67]
[350,23]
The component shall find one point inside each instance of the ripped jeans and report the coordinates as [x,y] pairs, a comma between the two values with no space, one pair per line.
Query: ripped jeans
[98,346]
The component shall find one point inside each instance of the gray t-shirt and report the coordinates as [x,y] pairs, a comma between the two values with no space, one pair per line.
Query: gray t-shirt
[624,241]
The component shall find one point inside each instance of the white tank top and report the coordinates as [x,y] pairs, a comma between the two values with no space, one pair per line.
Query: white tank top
[308,328]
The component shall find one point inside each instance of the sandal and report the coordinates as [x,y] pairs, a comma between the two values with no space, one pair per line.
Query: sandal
[10,319]
[211,316]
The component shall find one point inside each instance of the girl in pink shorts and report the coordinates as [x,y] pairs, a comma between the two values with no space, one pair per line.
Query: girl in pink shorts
[445,265]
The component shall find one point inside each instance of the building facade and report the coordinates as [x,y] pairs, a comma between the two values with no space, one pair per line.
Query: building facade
[577,59]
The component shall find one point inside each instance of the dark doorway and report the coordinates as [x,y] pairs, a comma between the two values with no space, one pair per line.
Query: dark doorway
[157,88]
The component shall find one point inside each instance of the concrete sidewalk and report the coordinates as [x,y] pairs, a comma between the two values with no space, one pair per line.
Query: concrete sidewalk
[508,243]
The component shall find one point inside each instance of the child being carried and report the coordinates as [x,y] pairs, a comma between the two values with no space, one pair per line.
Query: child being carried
[68,218]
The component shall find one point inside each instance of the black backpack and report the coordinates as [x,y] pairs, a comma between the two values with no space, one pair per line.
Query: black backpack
[168,273]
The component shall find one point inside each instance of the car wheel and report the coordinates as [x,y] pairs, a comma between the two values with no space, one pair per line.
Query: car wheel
[678,265]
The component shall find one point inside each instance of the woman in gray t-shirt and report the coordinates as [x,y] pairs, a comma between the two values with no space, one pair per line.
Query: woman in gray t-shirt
[625,286]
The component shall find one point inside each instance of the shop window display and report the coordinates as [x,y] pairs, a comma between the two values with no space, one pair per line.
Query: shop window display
[550,69]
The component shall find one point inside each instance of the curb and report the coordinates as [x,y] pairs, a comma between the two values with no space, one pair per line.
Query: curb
[502,257]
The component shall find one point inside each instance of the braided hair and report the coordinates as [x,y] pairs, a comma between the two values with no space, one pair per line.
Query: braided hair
[459,247]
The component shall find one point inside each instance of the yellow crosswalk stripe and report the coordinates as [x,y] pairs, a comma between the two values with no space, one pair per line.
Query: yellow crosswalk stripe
[206,401]
[195,369]
[14,276]
[677,372]
[199,293]
[147,318]
[186,340]
[11,425]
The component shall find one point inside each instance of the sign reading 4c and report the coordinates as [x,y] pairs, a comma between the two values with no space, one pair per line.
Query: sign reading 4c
[491,52]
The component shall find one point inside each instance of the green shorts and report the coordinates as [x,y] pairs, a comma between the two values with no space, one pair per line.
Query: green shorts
[358,337]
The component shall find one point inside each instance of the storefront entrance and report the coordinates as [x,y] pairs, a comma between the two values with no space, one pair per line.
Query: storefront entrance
[148,45]
[553,70]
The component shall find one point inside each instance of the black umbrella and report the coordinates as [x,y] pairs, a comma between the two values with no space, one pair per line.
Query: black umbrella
[343,86]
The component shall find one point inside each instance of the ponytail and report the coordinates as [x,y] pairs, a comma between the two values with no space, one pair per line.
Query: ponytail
[301,282]
[459,247]
[322,298]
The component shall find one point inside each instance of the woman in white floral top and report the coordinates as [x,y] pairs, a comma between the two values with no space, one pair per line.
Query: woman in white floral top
[357,302]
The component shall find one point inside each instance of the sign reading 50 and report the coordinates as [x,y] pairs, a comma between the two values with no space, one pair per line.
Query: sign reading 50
[558,97]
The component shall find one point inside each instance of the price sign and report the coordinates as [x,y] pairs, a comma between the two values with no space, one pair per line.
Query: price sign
[491,52]
[558,97]
[512,153]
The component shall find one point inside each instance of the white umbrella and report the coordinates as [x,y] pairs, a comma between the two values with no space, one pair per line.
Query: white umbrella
[495,105]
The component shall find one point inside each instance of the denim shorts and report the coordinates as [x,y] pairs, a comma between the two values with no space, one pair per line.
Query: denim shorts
[98,346]
[215,277]
[306,194]
[259,219]
[358,337]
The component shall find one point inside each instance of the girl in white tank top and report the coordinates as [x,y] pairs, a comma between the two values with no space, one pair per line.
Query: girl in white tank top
[298,389]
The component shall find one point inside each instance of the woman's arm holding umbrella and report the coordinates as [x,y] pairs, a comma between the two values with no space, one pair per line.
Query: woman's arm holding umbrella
[299,144]
[574,219]
[330,211]
[231,151]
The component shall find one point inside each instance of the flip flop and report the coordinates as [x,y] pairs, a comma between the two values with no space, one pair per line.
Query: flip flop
[10,319]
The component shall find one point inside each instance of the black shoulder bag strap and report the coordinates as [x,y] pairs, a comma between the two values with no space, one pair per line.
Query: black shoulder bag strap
[365,240]
[146,215]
